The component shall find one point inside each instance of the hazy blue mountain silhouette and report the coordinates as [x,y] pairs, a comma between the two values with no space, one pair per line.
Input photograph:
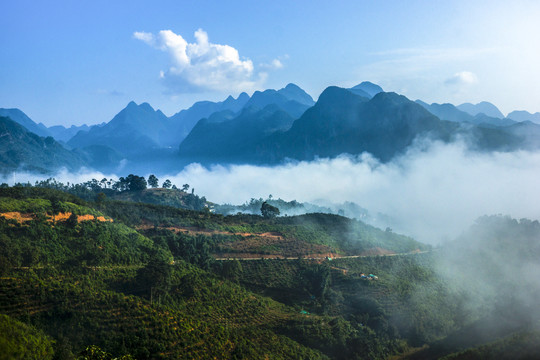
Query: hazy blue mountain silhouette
[366,89]
[22,119]
[267,128]
[101,157]
[233,139]
[527,132]
[290,99]
[343,122]
[484,107]
[452,113]
[183,122]
[518,136]
[521,115]
[23,150]
[135,129]
[295,93]
[139,128]
[64,134]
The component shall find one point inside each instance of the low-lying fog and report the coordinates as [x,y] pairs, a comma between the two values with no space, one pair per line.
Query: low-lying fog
[433,192]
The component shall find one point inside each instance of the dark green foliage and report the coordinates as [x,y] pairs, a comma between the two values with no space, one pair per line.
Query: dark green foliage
[167,184]
[155,277]
[130,188]
[231,270]
[268,211]
[71,291]
[90,243]
[22,341]
[131,183]
[153,181]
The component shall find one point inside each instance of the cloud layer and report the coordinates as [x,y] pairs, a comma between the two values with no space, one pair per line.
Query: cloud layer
[432,193]
[202,65]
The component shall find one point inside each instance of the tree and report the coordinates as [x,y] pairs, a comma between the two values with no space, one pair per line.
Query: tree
[120,185]
[268,211]
[185,187]
[57,207]
[153,181]
[101,197]
[167,184]
[72,221]
[135,183]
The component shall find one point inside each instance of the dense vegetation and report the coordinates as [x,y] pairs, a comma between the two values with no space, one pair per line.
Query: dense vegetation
[130,188]
[103,278]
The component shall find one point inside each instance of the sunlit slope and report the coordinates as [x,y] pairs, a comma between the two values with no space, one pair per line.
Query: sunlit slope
[254,236]
[101,282]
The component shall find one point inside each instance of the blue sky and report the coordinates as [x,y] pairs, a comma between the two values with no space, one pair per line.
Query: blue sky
[74,62]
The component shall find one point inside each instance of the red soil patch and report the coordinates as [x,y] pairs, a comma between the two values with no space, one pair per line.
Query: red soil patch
[21,218]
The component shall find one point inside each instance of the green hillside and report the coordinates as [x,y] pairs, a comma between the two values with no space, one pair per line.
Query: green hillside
[84,281]
[148,281]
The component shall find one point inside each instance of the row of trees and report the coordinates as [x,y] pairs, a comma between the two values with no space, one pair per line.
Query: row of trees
[129,183]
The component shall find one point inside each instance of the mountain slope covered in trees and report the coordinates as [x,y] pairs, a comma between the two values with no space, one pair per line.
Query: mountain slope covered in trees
[26,151]
[147,281]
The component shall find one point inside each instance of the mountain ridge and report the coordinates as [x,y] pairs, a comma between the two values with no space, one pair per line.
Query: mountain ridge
[23,150]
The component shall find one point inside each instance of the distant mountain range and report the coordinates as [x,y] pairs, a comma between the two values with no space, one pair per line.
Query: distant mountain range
[135,129]
[343,122]
[525,116]
[140,128]
[452,113]
[352,121]
[266,128]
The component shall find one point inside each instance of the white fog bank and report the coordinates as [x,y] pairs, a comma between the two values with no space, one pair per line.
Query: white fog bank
[432,194]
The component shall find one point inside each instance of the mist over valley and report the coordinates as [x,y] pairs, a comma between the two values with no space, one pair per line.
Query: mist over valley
[350,180]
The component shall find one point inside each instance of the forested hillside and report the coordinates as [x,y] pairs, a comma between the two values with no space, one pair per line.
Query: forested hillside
[80,278]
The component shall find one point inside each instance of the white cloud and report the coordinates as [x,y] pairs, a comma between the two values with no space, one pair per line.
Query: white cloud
[144,36]
[274,64]
[202,65]
[462,78]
